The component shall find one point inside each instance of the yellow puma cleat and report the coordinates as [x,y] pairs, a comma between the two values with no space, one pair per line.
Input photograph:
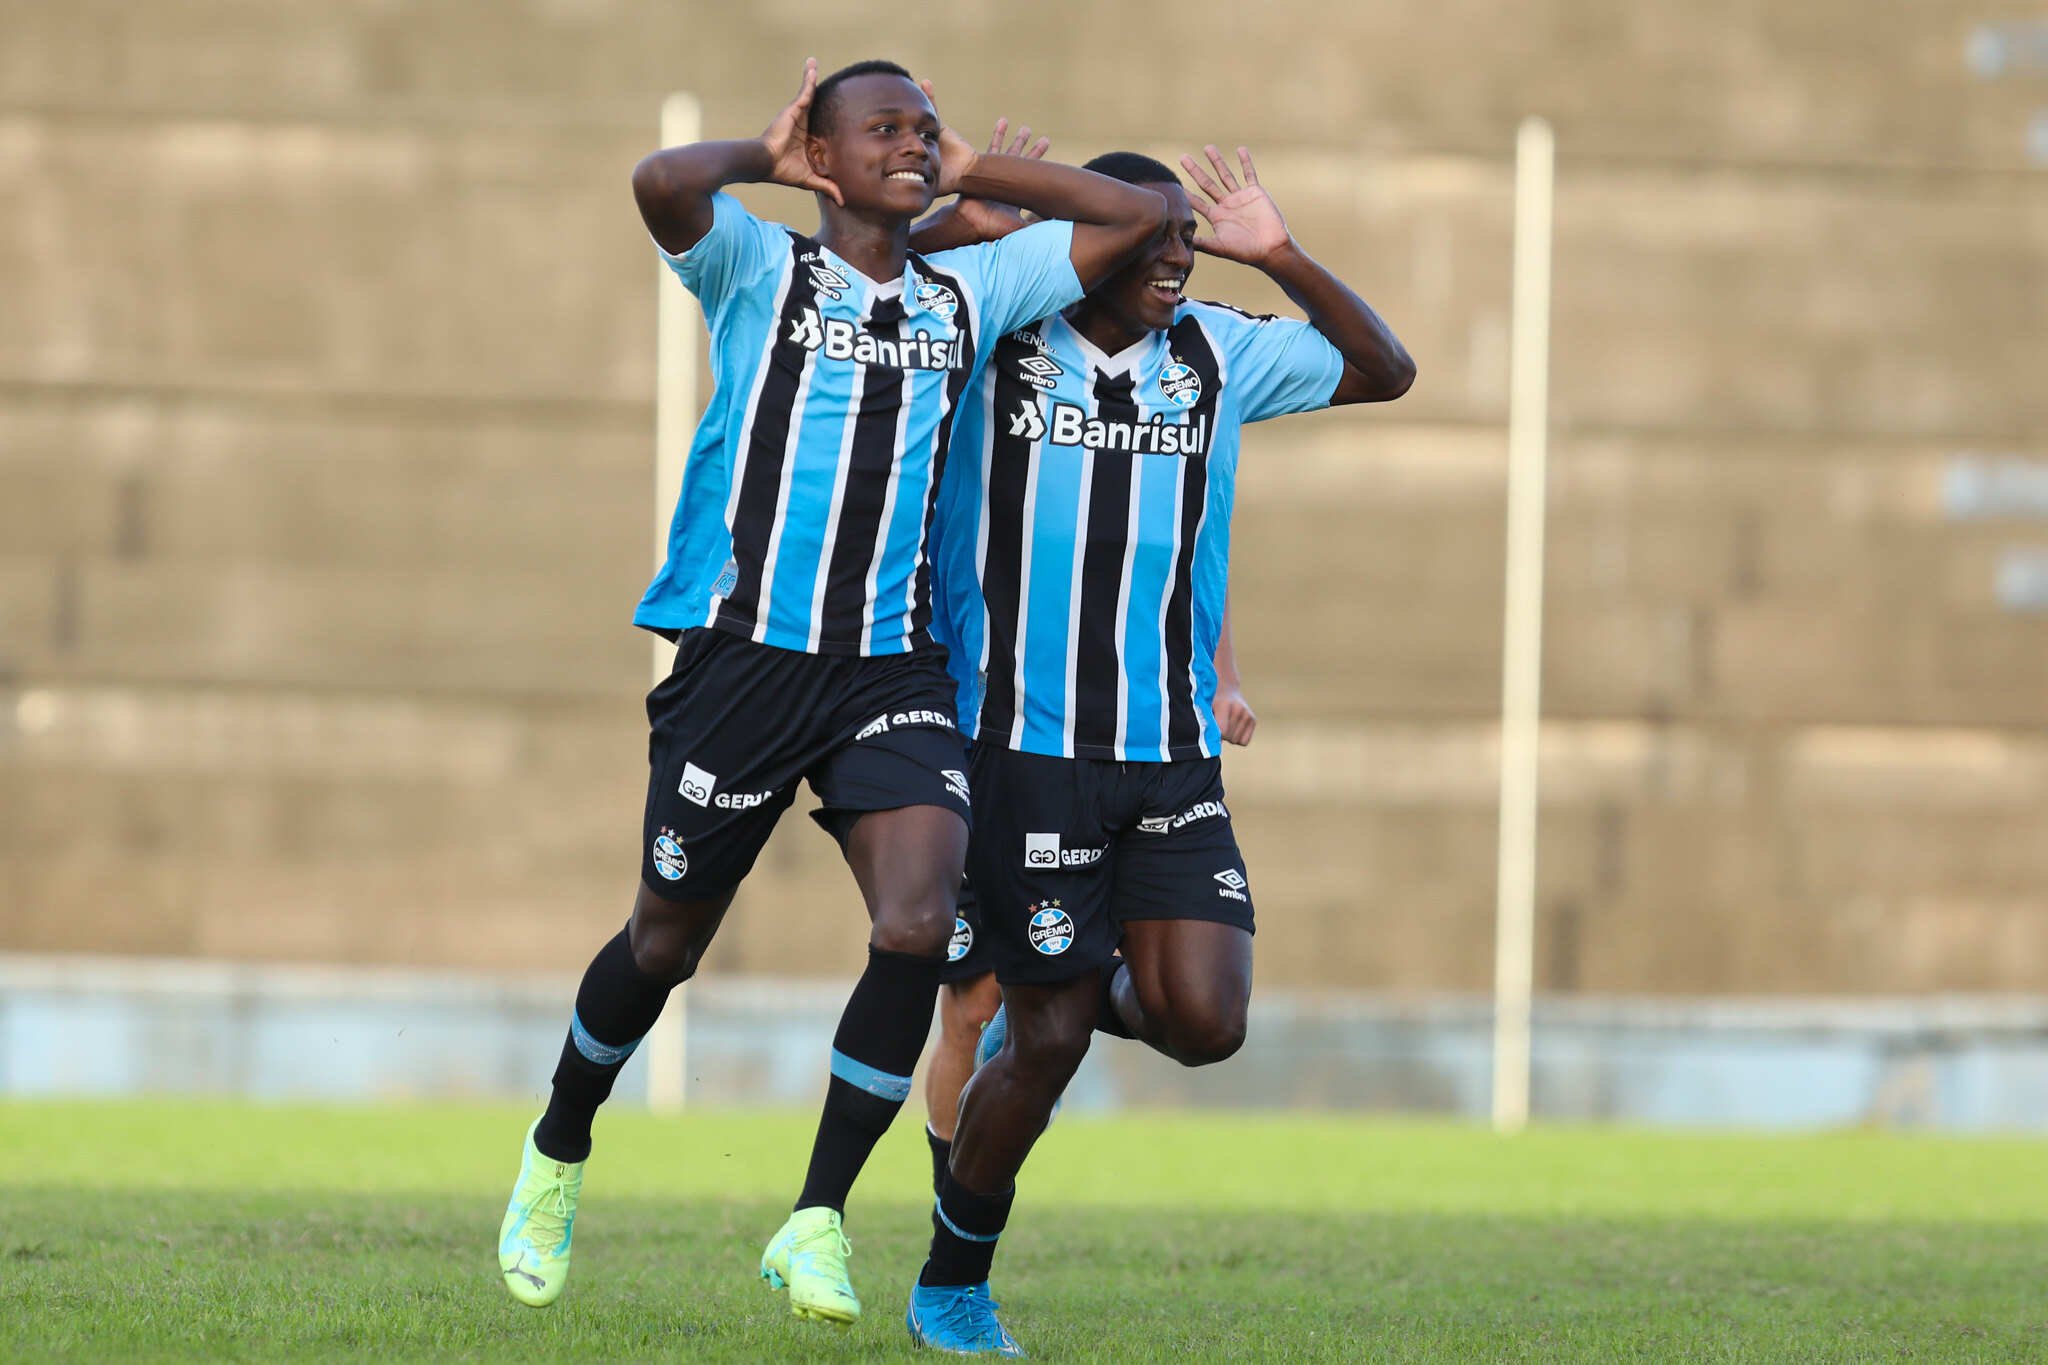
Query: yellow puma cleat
[808,1257]
[533,1242]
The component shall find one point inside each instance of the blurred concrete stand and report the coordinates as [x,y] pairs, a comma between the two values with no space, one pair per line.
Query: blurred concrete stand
[127,1026]
[326,367]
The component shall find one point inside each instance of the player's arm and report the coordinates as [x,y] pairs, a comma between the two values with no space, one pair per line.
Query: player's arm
[969,221]
[674,186]
[1234,715]
[1112,221]
[1248,228]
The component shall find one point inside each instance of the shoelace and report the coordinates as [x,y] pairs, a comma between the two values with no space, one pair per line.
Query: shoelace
[818,1234]
[970,1315]
[548,1214]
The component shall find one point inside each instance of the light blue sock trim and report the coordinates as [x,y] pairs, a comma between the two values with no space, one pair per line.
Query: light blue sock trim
[939,1207]
[895,1089]
[604,1054]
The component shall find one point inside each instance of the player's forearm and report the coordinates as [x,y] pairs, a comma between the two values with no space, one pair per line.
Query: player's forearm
[1226,655]
[674,186]
[949,228]
[1051,190]
[1381,366]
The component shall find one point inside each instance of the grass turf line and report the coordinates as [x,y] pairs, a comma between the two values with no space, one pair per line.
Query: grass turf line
[227,1231]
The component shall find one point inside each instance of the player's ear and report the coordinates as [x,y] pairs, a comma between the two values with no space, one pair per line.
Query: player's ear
[817,152]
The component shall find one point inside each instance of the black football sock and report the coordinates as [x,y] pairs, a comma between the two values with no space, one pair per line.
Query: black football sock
[942,1153]
[965,1226]
[615,1006]
[876,1048]
[1107,1020]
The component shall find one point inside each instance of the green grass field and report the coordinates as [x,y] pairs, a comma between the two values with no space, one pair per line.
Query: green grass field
[223,1231]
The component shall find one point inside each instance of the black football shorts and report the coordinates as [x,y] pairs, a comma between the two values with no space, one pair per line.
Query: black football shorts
[1064,851]
[736,725]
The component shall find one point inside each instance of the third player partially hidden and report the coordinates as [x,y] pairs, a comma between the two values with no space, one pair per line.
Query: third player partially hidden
[1081,558]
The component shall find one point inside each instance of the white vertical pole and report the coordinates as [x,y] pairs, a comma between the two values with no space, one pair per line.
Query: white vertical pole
[1514,966]
[677,323]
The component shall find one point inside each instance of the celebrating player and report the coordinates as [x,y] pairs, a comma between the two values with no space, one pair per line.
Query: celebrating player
[1082,549]
[796,586]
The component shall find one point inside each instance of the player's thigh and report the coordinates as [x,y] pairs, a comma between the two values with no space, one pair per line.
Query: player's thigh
[1185,904]
[1039,859]
[898,802]
[727,742]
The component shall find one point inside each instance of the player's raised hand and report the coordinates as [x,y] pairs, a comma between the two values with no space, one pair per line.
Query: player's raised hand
[987,218]
[788,137]
[1246,223]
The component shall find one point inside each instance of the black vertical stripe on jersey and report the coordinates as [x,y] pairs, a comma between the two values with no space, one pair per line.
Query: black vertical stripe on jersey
[1002,585]
[1189,345]
[964,346]
[871,464]
[753,520]
[1097,666]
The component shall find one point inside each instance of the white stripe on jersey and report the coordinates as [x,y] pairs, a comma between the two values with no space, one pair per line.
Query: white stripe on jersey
[1081,505]
[1123,606]
[881,550]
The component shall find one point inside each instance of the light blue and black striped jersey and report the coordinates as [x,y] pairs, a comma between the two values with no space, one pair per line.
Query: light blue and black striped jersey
[1083,532]
[808,495]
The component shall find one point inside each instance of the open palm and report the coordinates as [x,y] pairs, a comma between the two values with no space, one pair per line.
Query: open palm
[1245,223]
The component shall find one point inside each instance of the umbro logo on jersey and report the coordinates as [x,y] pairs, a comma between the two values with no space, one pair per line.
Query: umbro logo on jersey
[696,785]
[1233,884]
[1073,427]
[839,339]
[828,281]
[1026,422]
[1039,371]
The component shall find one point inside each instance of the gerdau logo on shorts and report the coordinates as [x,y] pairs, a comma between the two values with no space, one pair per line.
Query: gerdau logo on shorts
[1042,853]
[1051,929]
[696,785]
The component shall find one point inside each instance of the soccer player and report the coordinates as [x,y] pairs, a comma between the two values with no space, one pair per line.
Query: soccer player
[969,997]
[796,585]
[1082,552]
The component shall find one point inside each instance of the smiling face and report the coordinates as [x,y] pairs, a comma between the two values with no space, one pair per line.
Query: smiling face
[882,146]
[1141,297]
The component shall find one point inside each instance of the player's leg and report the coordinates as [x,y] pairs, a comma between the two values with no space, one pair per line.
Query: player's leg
[965,1007]
[696,848]
[1184,986]
[968,1000]
[898,802]
[1185,908]
[1042,866]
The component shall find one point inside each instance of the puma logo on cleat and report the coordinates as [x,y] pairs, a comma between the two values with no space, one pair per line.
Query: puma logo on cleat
[516,1268]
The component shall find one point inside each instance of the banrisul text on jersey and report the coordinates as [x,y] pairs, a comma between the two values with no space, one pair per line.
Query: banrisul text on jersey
[809,491]
[1083,533]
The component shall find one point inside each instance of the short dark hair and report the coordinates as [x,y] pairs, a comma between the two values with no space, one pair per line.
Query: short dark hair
[825,99]
[1133,168]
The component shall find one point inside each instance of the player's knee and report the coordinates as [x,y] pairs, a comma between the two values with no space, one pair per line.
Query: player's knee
[920,931]
[1205,1040]
[1054,1054]
[668,958]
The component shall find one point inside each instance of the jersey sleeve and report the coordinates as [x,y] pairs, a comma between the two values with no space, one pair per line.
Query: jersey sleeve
[1277,365]
[722,262]
[1019,278]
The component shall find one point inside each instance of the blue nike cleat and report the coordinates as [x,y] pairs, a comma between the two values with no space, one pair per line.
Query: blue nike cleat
[959,1318]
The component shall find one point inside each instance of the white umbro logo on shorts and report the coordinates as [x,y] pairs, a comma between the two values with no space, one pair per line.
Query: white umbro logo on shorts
[696,785]
[1231,878]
